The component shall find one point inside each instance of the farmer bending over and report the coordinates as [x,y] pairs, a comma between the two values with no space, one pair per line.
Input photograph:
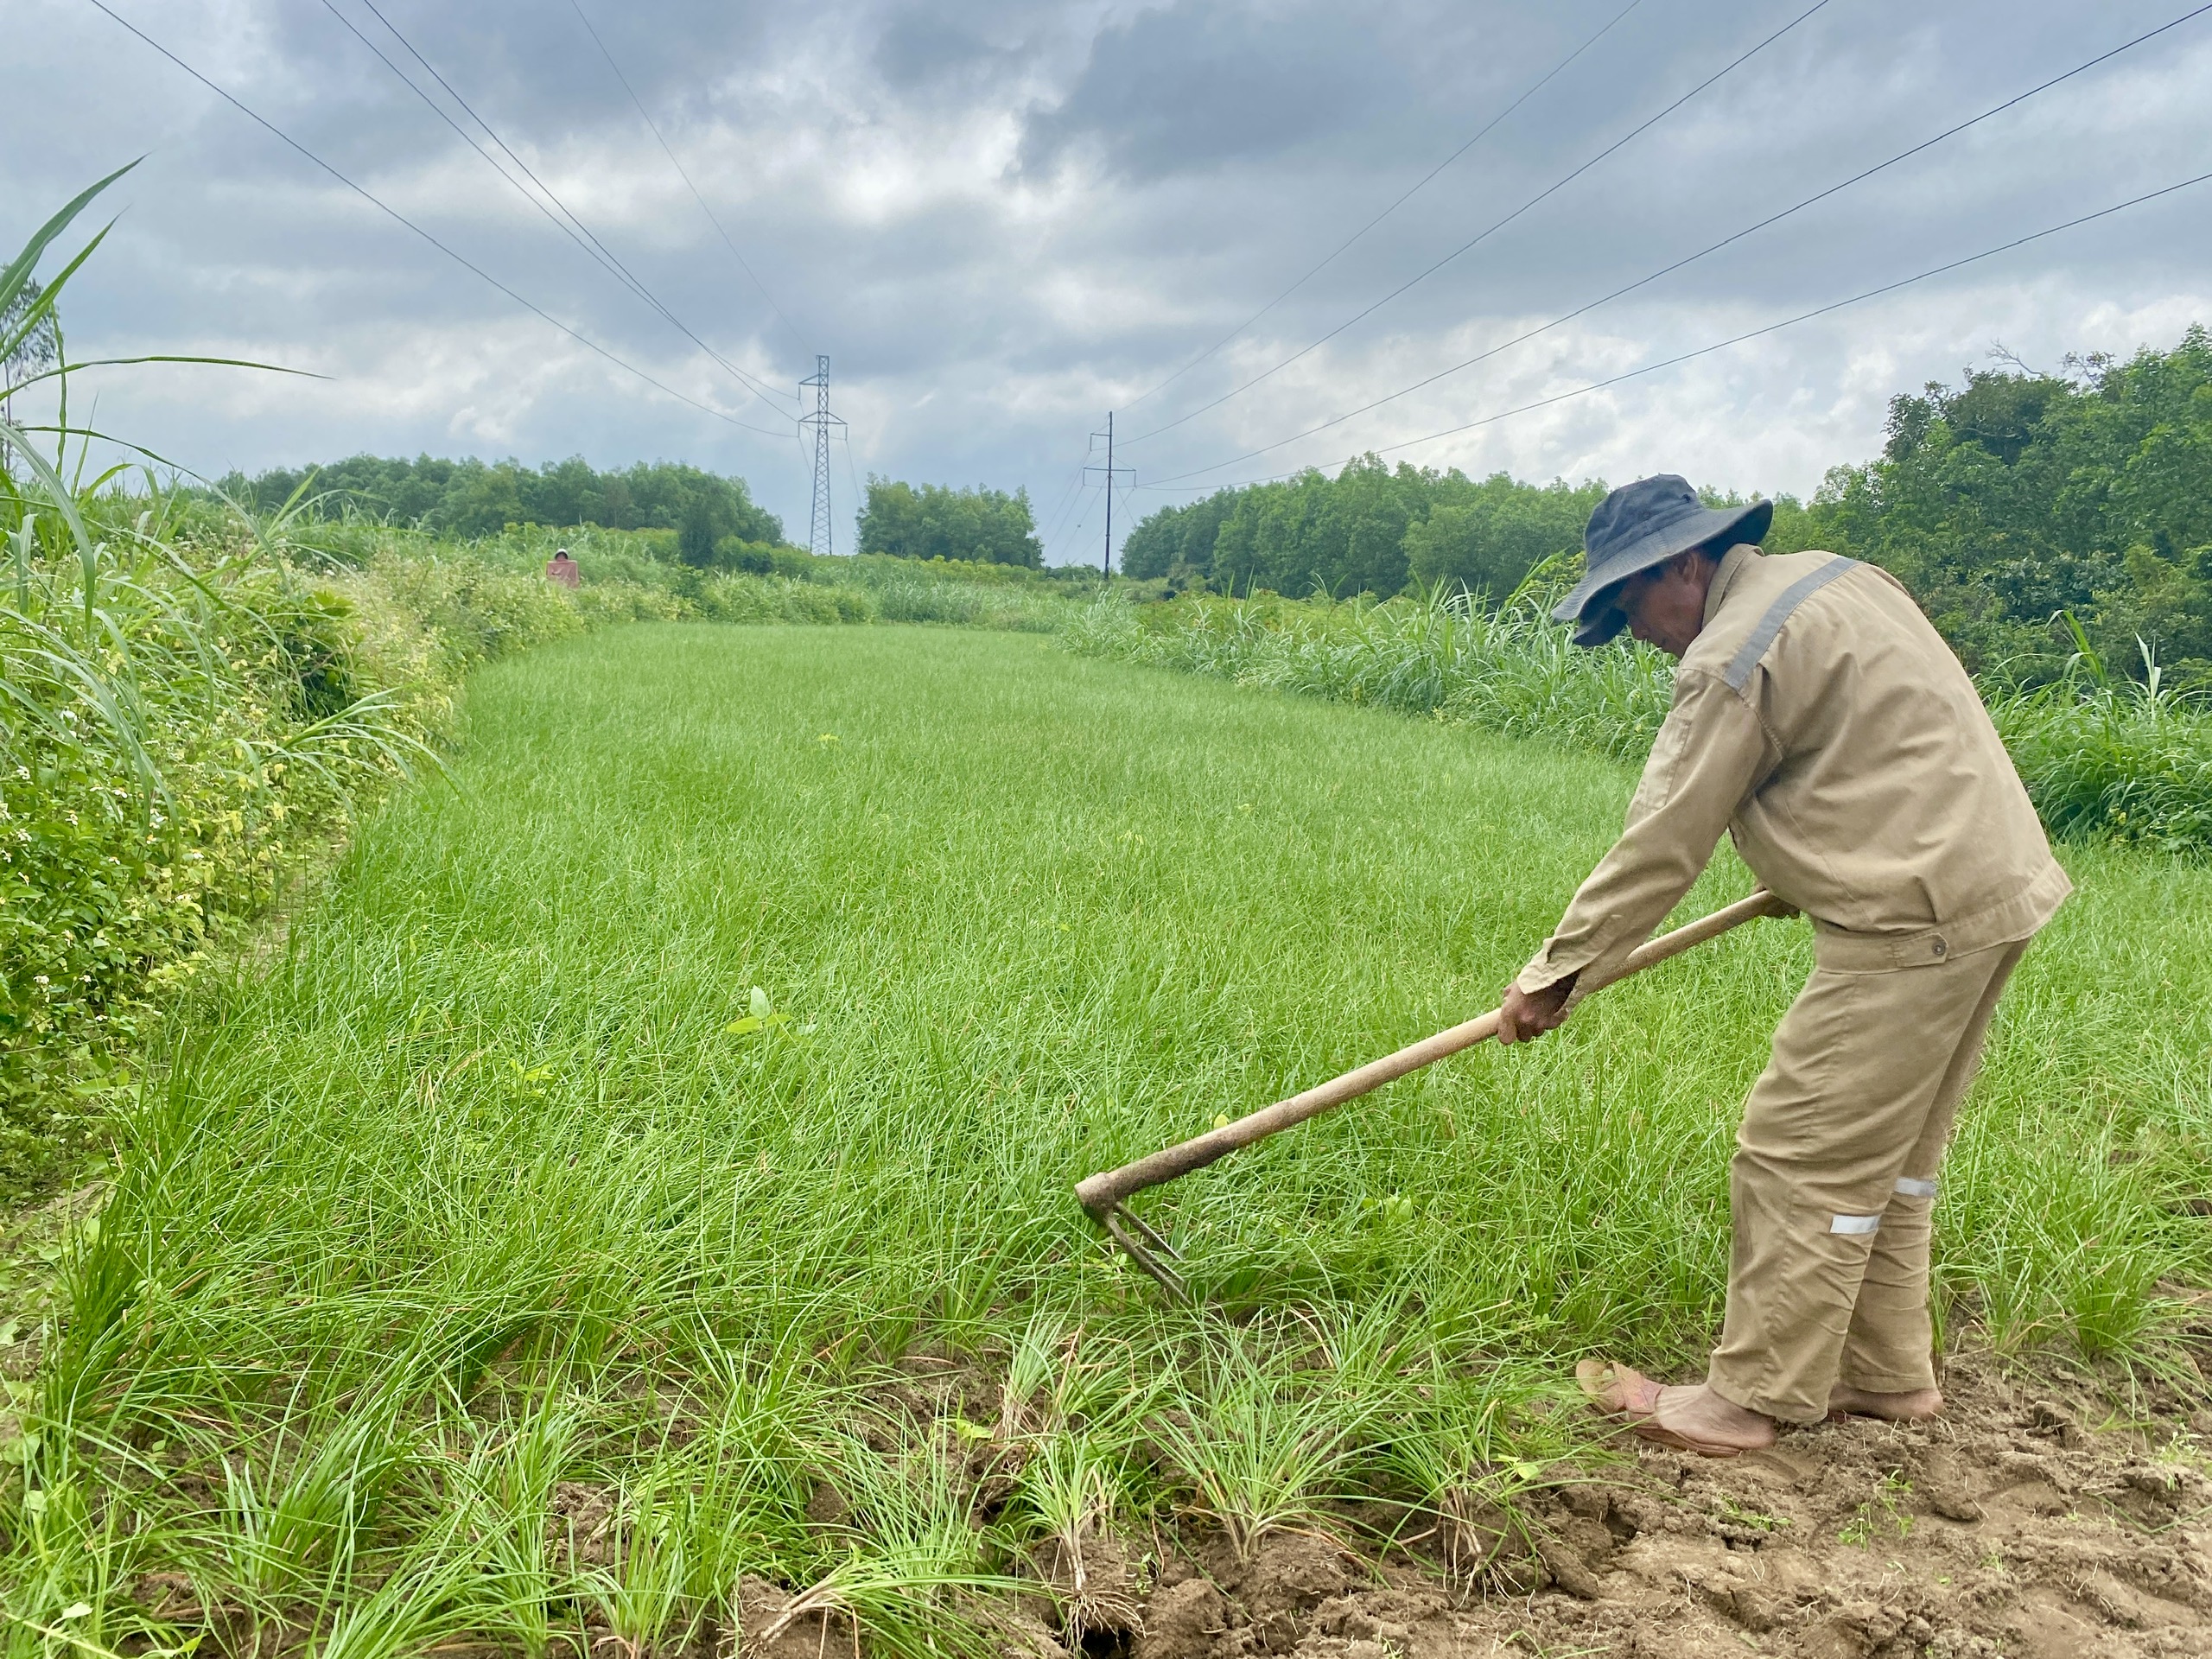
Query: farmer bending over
[1825,725]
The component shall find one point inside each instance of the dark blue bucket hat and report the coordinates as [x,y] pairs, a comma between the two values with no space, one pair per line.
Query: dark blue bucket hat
[1639,525]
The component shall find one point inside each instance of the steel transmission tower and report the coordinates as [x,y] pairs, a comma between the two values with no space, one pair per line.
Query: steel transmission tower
[821,421]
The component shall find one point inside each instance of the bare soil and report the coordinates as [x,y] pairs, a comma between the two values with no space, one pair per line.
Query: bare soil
[2015,1525]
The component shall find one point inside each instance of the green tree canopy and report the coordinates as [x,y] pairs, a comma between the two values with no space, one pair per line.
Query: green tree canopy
[2006,503]
[1369,530]
[2016,496]
[934,522]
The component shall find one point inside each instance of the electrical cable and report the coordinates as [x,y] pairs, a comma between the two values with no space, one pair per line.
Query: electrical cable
[1419,185]
[598,249]
[592,246]
[1060,511]
[1733,339]
[685,177]
[393,212]
[1687,259]
[1076,534]
[859,496]
[1548,191]
[1128,517]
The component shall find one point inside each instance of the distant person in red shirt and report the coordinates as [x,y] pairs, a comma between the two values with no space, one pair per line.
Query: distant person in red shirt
[563,569]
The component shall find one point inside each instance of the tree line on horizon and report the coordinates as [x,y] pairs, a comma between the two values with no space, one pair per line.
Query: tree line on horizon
[2008,504]
[469,498]
[716,522]
[2012,504]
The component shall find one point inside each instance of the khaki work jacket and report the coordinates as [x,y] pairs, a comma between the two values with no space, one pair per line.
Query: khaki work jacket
[1821,720]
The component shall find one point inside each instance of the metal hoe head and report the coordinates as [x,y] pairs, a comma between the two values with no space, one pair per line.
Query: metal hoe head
[1119,1222]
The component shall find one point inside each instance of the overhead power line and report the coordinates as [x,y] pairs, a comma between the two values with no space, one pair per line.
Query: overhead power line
[1049,524]
[1421,183]
[766,389]
[389,211]
[1089,500]
[860,495]
[1819,196]
[1733,339]
[1495,226]
[654,128]
[558,214]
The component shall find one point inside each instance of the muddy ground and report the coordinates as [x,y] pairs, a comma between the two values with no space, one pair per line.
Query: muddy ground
[2015,1525]
[2028,1521]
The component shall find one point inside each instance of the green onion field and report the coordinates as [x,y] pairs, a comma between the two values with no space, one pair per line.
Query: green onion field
[644,1106]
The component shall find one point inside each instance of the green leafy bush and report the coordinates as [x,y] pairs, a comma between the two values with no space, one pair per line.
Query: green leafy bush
[183,720]
[476,611]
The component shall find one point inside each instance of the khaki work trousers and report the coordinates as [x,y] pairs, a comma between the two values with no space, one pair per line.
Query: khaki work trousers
[1833,1183]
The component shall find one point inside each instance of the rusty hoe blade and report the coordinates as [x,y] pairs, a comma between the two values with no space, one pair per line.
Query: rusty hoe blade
[1105,1195]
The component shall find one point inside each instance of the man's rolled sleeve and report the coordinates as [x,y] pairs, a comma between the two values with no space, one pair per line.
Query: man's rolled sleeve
[1710,754]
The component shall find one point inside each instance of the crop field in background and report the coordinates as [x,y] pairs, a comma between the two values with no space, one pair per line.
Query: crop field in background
[599,1161]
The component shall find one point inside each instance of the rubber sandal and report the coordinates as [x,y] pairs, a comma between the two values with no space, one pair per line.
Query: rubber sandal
[1617,1391]
[1651,1428]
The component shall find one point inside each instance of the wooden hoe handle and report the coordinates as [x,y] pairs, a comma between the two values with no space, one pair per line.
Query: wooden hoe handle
[1101,1193]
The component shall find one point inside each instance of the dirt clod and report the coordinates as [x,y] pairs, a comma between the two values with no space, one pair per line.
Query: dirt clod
[1183,1621]
[1092,1583]
[580,1524]
[1290,1574]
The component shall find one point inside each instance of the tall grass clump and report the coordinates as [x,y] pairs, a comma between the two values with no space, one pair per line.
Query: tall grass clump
[2106,758]
[1449,655]
[180,721]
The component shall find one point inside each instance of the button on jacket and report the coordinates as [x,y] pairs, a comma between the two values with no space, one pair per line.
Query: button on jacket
[1821,720]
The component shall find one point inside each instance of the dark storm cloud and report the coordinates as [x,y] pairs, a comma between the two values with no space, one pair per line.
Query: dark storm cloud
[1002,218]
[1187,88]
[921,50]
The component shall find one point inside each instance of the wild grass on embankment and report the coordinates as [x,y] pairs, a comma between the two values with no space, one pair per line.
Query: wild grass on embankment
[2105,758]
[500,1197]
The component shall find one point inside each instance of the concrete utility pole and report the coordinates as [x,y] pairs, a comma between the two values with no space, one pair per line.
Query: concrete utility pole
[820,538]
[1106,565]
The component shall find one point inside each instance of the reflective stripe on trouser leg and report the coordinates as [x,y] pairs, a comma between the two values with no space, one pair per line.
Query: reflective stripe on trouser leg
[1890,1345]
[1863,1078]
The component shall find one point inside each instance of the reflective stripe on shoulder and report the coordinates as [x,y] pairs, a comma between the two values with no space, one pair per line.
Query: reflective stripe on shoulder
[1914,1187]
[1748,654]
[1855,1225]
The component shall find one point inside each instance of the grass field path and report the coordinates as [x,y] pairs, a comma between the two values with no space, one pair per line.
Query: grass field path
[740,1015]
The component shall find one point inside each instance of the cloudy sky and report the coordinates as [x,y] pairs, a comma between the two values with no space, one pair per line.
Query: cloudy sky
[1001,219]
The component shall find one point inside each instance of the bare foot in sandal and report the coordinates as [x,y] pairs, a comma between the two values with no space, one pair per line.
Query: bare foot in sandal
[1690,1419]
[1698,1420]
[1913,1406]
